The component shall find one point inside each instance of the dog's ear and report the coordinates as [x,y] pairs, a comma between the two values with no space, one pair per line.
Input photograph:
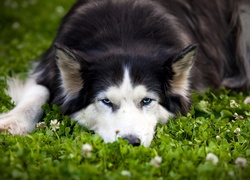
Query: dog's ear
[69,67]
[181,66]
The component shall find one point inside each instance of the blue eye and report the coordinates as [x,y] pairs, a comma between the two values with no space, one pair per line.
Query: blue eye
[106,102]
[146,101]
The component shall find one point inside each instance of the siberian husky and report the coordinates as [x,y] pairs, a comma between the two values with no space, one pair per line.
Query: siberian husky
[118,67]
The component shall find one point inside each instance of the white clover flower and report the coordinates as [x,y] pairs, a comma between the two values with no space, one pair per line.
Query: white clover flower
[54,124]
[87,147]
[86,150]
[16,25]
[40,125]
[236,114]
[238,117]
[60,9]
[231,173]
[241,162]
[218,137]
[126,173]
[19,46]
[212,158]
[233,104]
[237,131]
[156,161]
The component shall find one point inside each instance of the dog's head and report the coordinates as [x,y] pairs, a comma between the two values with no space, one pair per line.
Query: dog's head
[122,95]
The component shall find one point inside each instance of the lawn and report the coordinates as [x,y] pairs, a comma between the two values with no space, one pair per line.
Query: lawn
[211,142]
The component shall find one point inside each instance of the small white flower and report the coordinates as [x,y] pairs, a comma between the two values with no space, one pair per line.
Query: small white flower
[156,161]
[218,137]
[16,25]
[40,125]
[60,9]
[54,124]
[237,130]
[231,173]
[20,46]
[126,173]
[87,147]
[241,162]
[233,103]
[86,150]
[212,158]
[238,117]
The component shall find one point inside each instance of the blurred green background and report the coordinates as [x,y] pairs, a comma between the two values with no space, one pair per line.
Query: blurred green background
[27,28]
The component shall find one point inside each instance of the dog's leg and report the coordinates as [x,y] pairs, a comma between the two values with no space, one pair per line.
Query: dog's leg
[29,98]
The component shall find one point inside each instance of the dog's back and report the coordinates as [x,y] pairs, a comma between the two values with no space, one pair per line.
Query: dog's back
[219,27]
[222,58]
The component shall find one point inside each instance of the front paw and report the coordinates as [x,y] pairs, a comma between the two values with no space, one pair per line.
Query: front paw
[15,124]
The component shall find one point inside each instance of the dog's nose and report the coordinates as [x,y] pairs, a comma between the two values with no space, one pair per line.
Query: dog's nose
[135,141]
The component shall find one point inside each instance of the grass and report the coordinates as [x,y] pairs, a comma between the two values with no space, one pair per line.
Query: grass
[179,150]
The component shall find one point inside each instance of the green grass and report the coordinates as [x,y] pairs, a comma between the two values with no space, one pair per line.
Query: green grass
[27,28]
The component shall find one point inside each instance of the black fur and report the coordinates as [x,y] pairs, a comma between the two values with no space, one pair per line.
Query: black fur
[145,36]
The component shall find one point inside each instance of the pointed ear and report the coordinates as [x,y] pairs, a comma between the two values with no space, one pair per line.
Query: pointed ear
[69,67]
[181,66]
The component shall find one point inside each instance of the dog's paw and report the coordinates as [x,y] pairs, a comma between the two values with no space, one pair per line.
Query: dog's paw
[247,100]
[14,124]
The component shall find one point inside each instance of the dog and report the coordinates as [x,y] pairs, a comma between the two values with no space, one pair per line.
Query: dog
[119,67]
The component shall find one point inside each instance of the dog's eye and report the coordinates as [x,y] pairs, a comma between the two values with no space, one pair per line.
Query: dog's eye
[146,101]
[107,102]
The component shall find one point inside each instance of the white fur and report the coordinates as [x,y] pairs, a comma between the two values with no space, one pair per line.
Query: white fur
[29,98]
[129,118]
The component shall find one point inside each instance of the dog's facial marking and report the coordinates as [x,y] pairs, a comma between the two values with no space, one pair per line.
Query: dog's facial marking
[129,109]
[127,93]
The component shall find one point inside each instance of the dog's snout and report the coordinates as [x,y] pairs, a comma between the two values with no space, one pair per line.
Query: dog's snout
[135,141]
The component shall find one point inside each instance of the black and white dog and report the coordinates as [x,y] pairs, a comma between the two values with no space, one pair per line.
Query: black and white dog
[119,67]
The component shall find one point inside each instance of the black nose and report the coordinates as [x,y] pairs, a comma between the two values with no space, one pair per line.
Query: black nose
[135,141]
